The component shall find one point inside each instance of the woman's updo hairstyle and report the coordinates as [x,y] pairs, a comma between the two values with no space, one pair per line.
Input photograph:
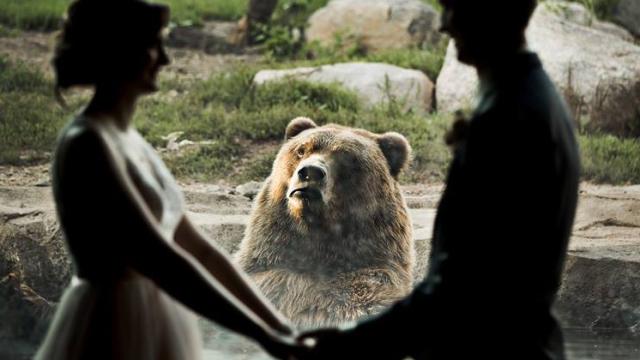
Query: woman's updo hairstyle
[104,41]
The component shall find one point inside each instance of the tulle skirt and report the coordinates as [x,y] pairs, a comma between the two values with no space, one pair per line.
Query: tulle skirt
[127,319]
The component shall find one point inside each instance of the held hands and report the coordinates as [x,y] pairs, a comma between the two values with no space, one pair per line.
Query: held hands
[285,345]
[334,344]
[324,344]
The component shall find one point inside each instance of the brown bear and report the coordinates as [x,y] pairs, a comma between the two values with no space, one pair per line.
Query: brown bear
[330,238]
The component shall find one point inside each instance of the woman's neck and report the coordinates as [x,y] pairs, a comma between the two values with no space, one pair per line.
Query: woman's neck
[113,103]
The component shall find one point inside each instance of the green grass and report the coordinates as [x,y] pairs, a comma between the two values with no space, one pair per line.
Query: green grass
[429,61]
[186,12]
[245,126]
[609,159]
[602,9]
[32,14]
[435,3]
[29,117]
[48,14]
[8,32]
[238,118]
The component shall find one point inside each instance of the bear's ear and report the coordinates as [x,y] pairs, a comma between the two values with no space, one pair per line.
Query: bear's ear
[298,125]
[396,149]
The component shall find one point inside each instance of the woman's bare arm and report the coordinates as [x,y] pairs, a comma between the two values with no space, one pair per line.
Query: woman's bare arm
[221,267]
[115,208]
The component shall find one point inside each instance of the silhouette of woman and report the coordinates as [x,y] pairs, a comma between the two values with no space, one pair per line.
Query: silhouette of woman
[138,259]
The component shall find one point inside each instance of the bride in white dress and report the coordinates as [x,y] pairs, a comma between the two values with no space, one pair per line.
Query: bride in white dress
[139,261]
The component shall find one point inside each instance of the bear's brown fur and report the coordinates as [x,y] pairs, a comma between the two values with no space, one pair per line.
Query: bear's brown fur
[329,238]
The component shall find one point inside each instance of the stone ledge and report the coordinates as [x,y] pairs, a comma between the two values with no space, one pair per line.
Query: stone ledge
[601,282]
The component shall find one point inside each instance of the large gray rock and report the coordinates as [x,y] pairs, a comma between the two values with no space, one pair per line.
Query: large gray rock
[456,85]
[250,189]
[374,83]
[213,37]
[600,287]
[597,72]
[576,13]
[375,24]
[627,13]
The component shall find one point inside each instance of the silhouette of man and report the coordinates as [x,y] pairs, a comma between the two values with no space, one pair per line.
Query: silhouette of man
[503,221]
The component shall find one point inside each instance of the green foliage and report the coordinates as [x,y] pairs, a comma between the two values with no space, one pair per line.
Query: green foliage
[602,9]
[229,111]
[609,159]
[259,167]
[435,3]
[283,40]
[187,12]
[205,162]
[29,117]
[7,32]
[295,13]
[48,14]
[33,14]
[428,61]
[29,124]
[228,105]
[321,97]
[244,125]
[20,78]
[283,35]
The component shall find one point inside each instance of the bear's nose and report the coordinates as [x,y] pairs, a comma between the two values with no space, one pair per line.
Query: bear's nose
[311,173]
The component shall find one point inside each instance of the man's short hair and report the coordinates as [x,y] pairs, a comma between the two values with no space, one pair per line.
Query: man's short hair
[510,15]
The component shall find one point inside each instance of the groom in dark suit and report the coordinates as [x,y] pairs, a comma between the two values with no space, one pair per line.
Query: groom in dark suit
[505,217]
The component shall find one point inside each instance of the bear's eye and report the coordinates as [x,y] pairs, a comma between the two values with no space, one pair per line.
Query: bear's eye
[300,151]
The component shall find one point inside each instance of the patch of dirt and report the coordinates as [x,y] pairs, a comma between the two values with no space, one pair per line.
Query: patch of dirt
[33,48]
[37,175]
[193,64]
[254,151]
[36,49]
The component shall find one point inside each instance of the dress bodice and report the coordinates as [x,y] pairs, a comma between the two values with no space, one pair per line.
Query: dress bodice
[102,224]
[151,177]
[111,310]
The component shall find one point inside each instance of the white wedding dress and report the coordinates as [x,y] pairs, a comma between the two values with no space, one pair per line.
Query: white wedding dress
[115,312]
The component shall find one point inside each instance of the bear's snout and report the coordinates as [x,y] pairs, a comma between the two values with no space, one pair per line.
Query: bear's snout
[311,173]
[309,180]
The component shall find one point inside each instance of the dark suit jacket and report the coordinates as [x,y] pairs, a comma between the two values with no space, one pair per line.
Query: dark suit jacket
[500,234]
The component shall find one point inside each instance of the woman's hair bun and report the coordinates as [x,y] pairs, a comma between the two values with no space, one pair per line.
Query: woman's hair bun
[103,40]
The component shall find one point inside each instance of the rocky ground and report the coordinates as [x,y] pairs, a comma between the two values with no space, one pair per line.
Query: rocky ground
[190,59]
[600,291]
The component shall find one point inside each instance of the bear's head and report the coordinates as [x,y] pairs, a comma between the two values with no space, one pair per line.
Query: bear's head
[329,174]
[332,200]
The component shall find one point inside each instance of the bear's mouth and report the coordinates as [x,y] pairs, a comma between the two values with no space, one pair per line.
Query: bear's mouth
[306,193]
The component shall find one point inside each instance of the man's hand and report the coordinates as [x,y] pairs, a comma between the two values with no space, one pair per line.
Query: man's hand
[328,344]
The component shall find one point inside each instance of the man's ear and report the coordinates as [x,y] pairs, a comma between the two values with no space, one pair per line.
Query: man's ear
[396,150]
[298,125]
